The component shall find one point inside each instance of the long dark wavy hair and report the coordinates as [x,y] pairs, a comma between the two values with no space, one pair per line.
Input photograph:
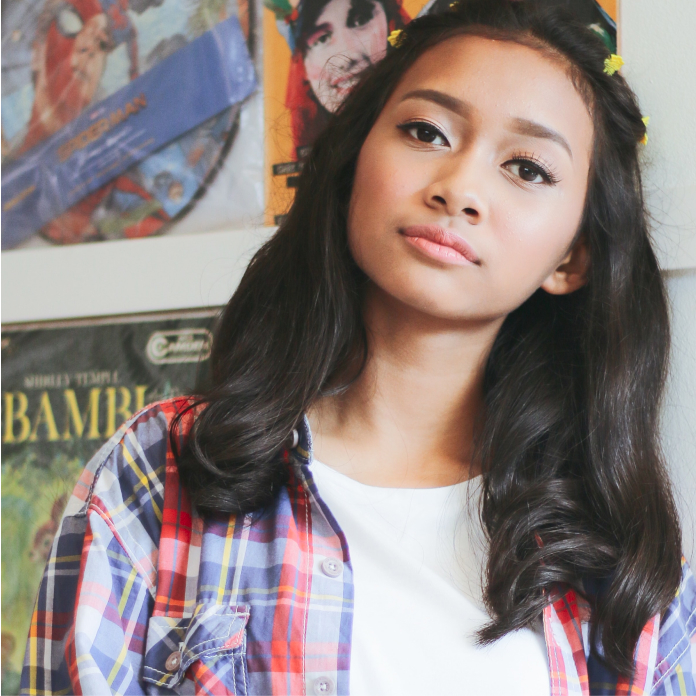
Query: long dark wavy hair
[574,486]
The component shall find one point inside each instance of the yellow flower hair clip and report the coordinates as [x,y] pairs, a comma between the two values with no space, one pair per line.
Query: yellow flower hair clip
[395,38]
[644,139]
[613,63]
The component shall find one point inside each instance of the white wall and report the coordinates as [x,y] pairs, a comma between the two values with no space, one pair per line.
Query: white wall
[126,276]
[657,42]
[679,416]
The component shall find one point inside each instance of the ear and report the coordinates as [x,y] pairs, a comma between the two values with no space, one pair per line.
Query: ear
[571,274]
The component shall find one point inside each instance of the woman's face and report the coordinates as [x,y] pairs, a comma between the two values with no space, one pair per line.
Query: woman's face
[349,35]
[470,187]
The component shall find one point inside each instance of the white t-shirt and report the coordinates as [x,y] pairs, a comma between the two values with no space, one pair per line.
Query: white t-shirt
[416,555]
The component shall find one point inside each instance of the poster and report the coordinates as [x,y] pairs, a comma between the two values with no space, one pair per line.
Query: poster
[116,114]
[66,389]
[313,53]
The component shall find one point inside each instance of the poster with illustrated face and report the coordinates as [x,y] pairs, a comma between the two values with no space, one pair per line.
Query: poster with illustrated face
[314,51]
[116,114]
[66,389]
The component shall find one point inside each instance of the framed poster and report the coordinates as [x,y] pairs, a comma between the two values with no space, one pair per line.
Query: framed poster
[117,114]
[67,387]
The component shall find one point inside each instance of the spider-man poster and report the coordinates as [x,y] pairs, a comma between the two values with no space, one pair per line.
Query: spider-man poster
[105,134]
[315,50]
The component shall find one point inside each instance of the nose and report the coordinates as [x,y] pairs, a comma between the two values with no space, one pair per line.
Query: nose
[351,47]
[457,189]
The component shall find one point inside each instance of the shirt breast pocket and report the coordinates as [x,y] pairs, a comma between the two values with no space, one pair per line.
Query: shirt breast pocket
[203,653]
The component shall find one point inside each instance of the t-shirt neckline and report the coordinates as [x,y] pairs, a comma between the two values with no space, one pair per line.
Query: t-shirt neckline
[345,480]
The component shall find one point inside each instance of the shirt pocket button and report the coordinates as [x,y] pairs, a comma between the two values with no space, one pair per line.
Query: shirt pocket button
[173,662]
[332,567]
[323,686]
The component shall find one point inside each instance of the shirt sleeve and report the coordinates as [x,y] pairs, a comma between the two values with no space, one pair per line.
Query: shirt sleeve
[675,671]
[87,632]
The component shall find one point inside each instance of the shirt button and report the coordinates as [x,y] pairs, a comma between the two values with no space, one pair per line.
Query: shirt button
[173,662]
[323,686]
[294,439]
[332,567]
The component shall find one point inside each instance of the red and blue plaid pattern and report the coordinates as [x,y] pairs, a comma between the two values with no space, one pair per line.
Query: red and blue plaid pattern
[142,595]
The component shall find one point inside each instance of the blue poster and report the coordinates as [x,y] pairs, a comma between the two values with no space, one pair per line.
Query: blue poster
[116,113]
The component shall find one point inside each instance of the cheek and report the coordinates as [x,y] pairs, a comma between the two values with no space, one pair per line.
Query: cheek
[313,66]
[375,38]
[370,189]
[533,238]
[383,199]
[380,187]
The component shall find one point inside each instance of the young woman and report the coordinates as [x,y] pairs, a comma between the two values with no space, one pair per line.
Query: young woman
[429,461]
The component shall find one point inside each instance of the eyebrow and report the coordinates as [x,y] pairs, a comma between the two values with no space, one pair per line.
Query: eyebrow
[448,101]
[522,126]
[535,130]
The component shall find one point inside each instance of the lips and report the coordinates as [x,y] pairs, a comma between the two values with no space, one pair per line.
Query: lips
[441,243]
[345,81]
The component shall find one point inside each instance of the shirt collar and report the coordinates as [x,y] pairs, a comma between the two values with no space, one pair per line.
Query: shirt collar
[303,449]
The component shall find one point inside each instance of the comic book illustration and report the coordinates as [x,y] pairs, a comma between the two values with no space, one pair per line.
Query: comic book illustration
[66,389]
[63,61]
[314,51]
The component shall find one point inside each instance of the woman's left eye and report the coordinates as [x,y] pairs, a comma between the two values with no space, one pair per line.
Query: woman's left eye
[425,133]
[530,172]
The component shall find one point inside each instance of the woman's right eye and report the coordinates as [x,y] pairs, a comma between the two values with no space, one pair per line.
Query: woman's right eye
[425,133]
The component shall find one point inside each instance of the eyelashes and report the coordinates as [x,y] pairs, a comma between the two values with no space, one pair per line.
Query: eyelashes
[529,163]
[424,132]
[524,165]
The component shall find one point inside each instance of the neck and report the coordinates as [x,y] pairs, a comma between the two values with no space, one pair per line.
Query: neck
[408,421]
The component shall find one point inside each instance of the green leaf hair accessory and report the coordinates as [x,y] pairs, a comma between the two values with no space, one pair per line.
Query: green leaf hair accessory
[396,38]
[603,34]
[613,63]
[644,139]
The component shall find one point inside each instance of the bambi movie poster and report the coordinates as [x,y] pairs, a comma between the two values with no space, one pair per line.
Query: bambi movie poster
[303,37]
[66,390]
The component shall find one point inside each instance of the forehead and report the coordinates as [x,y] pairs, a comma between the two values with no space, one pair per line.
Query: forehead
[334,9]
[501,80]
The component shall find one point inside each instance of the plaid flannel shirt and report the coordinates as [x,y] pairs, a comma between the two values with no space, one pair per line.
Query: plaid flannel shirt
[142,595]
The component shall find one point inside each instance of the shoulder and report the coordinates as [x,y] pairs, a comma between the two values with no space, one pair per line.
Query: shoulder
[135,457]
[124,483]
[675,668]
